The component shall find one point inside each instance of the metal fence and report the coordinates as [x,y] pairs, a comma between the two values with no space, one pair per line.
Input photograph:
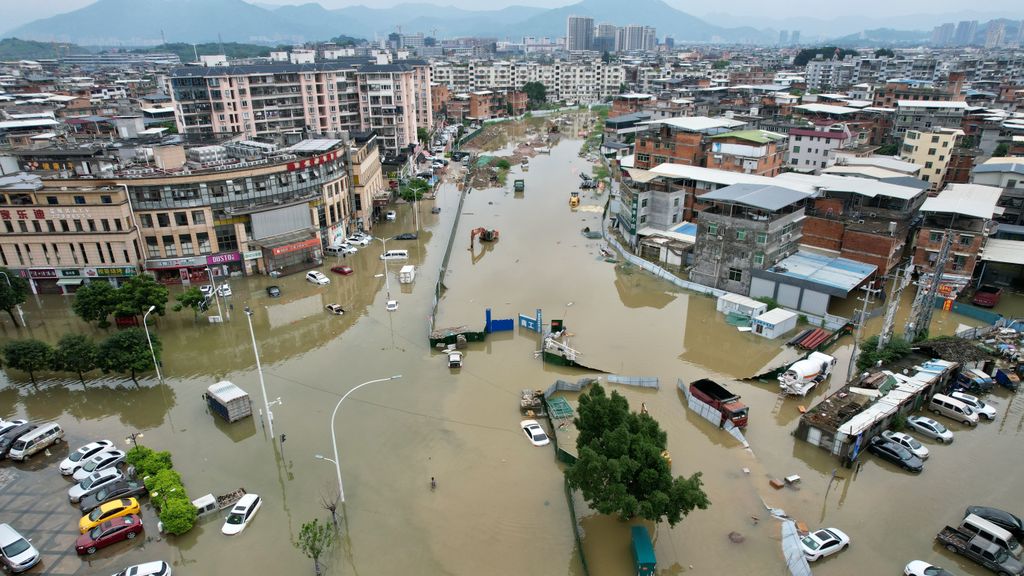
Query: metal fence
[638,381]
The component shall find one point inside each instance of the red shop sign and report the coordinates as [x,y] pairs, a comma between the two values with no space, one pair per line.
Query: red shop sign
[311,243]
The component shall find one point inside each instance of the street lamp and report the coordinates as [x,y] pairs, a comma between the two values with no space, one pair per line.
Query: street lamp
[334,438]
[150,340]
[259,369]
[216,292]
[387,284]
[21,313]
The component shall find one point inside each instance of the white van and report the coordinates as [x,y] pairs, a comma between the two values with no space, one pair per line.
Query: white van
[952,408]
[36,441]
[974,524]
[395,255]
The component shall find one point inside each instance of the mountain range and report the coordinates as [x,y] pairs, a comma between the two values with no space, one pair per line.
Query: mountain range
[150,22]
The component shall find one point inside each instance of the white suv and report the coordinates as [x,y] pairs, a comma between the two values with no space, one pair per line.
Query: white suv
[360,239]
[317,277]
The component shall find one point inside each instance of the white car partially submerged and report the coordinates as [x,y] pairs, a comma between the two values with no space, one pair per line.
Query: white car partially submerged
[158,568]
[908,442]
[534,433]
[824,542]
[100,461]
[930,428]
[76,459]
[242,514]
[317,277]
[977,404]
[94,483]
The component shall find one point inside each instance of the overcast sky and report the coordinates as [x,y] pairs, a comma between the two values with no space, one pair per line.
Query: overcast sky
[16,12]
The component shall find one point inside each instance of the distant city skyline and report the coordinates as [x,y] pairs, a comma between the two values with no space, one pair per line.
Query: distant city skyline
[18,13]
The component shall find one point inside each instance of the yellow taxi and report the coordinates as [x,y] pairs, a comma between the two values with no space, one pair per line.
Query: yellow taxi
[108,510]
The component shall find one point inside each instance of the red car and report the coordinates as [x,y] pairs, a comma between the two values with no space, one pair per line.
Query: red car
[987,296]
[343,270]
[110,532]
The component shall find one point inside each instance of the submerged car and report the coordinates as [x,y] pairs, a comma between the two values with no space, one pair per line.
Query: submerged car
[158,568]
[94,483]
[534,433]
[930,428]
[76,459]
[824,542]
[317,277]
[407,236]
[16,552]
[922,568]
[335,309]
[391,306]
[108,511]
[241,514]
[908,442]
[110,532]
[895,452]
[343,270]
[1005,520]
[977,404]
[119,489]
[273,291]
[101,461]
[987,296]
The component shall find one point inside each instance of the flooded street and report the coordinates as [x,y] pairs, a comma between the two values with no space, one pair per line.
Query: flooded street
[500,505]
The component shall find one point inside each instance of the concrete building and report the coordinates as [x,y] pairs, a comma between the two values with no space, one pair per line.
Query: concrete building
[369,194]
[680,140]
[579,33]
[634,37]
[1007,174]
[757,152]
[577,81]
[58,235]
[924,115]
[746,227]
[966,211]
[813,149]
[932,151]
[395,100]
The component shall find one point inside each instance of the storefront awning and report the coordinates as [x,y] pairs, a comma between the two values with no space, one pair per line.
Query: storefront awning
[69,282]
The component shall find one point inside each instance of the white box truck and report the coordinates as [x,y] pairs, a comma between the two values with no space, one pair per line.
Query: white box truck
[407,274]
[228,401]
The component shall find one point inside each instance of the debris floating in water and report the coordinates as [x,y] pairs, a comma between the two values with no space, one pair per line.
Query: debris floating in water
[736,537]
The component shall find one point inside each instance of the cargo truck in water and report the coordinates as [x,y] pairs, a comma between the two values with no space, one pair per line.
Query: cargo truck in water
[228,401]
[718,397]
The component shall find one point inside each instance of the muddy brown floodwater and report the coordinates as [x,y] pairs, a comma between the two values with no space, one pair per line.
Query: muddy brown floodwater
[499,506]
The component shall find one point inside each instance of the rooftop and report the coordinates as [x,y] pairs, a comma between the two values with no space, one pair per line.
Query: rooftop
[930,104]
[762,196]
[861,186]
[255,69]
[1004,251]
[826,109]
[887,162]
[755,136]
[698,123]
[832,275]
[972,200]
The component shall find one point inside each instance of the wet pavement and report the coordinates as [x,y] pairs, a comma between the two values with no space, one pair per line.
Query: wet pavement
[499,506]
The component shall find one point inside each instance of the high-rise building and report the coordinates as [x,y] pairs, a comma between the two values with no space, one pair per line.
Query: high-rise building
[965,32]
[783,37]
[579,33]
[634,37]
[604,39]
[995,35]
[650,40]
[795,38]
[943,35]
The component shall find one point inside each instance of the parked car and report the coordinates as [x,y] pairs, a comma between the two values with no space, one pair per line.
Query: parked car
[108,511]
[824,542]
[76,459]
[343,249]
[242,514]
[360,240]
[895,453]
[317,277]
[425,174]
[343,270]
[101,461]
[391,306]
[273,291]
[908,442]
[207,290]
[534,433]
[120,489]
[12,434]
[977,404]
[158,568]
[390,215]
[930,428]
[1005,520]
[987,296]
[335,309]
[922,568]
[437,165]
[8,425]
[224,290]
[110,532]
[96,481]
[407,236]
[16,552]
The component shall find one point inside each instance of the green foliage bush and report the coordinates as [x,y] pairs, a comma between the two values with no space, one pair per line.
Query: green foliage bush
[148,462]
[178,515]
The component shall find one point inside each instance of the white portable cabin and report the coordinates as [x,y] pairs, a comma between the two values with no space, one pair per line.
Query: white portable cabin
[740,305]
[407,275]
[774,323]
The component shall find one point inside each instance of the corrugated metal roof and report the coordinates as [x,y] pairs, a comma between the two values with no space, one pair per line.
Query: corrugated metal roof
[765,197]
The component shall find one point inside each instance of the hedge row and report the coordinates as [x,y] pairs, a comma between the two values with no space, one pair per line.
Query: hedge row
[177,513]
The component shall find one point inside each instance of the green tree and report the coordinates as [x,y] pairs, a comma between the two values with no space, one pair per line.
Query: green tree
[95,302]
[149,462]
[128,351]
[621,470]
[536,92]
[414,189]
[177,513]
[28,356]
[720,64]
[75,353]
[884,52]
[138,293]
[871,354]
[422,135]
[192,298]
[11,296]
[606,57]
[1001,150]
[315,538]
[503,164]
[888,150]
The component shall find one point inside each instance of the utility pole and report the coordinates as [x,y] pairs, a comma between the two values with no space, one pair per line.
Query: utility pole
[924,303]
[866,300]
[898,287]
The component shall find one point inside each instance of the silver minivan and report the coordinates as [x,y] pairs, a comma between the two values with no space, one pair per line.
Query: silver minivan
[36,441]
[976,525]
[952,408]
[17,553]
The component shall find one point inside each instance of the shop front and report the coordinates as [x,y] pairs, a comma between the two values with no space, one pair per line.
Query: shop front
[291,253]
[42,280]
[226,264]
[178,270]
[113,274]
[67,281]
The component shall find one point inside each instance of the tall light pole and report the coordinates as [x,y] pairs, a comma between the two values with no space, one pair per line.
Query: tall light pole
[216,292]
[387,283]
[21,313]
[334,438]
[150,340]
[259,369]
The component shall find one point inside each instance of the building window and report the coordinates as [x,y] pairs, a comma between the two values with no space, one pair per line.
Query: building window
[643,219]
[759,258]
[643,203]
[927,165]
[170,249]
[152,250]
[735,274]
[186,244]
[762,237]
[741,235]
[713,229]
[79,199]
[106,199]
[203,239]
[966,240]
[180,219]
[163,220]
[198,217]
[935,237]
[147,220]
[796,149]
[53,199]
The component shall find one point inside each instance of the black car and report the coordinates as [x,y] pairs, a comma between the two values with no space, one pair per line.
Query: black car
[1009,522]
[407,236]
[895,453]
[273,291]
[13,434]
[119,489]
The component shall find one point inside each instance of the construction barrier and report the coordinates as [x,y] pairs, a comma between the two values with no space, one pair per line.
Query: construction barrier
[638,381]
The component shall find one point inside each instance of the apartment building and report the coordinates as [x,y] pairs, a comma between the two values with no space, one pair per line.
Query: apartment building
[680,140]
[813,149]
[746,227]
[1006,174]
[579,33]
[931,150]
[580,81]
[395,100]
[757,152]
[919,91]
[926,115]
[965,211]
[369,193]
[58,236]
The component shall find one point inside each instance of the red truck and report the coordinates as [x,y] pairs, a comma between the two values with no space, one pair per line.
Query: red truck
[715,395]
[987,296]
